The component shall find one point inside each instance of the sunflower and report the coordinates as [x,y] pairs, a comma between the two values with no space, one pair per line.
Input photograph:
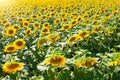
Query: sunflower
[41,41]
[44,17]
[46,24]
[34,17]
[57,21]
[39,14]
[56,60]
[12,67]
[45,30]
[26,24]
[7,25]
[66,27]
[4,21]
[83,34]
[10,48]
[72,39]
[74,22]
[26,19]
[110,30]
[95,22]
[64,20]
[96,29]
[53,37]
[86,62]
[79,18]
[113,63]
[36,25]
[10,31]
[28,32]
[15,26]
[20,43]
[20,20]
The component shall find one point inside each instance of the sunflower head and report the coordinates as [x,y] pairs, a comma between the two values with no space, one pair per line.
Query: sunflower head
[64,20]
[74,22]
[10,31]
[83,34]
[15,26]
[53,37]
[46,24]
[12,67]
[26,24]
[41,41]
[57,21]
[20,43]
[20,20]
[10,48]
[34,16]
[72,39]
[36,25]
[28,32]
[45,30]
[86,62]
[66,27]
[56,60]
[96,29]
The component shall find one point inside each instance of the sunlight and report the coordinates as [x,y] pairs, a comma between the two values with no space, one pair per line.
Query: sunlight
[5,2]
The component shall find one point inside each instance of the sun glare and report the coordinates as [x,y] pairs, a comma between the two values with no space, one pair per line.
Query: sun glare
[5,2]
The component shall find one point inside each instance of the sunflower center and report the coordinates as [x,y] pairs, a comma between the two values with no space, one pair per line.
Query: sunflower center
[74,22]
[46,25]
[28,32]
[57,21]
[34,16]
[36,25]
[10,48]
[83,34]
[66,27]
[26,24]
[56,60]
[19,43]
[13,66]
[45,30]
[11,32]
[16,27]
[72,39]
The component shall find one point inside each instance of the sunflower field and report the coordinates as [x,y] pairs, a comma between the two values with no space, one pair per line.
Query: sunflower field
[59,39]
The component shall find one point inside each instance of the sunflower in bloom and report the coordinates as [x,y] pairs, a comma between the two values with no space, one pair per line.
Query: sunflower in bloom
[86,62]
[74,22]
[66,27]
[34,17]
[20,20]
[110,30]
[10,31]
[15,26]
[12,67]
[26,24]
[36,25]
[57,21]
[19,43]
[113,63]
[64,20]
[45,30]
[46,24]
[72,39]
[56,60]
[28,32]
[83,34]
[10,48]
[53,37]
[41,41]
[96,29]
